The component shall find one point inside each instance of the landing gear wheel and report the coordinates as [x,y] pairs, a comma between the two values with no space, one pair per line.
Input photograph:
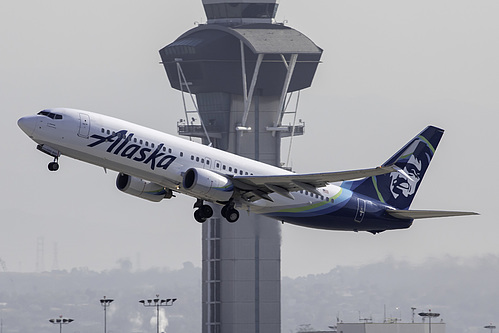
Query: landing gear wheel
[198,216]
[206,211]
[232,215]
[53,166]
[224,211]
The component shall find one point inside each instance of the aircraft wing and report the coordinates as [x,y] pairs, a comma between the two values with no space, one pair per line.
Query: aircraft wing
[424,214]
[261,186]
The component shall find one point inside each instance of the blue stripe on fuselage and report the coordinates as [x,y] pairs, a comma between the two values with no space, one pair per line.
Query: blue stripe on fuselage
[342,215]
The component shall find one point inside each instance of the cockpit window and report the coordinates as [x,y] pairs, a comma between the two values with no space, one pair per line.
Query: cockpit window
[50,114]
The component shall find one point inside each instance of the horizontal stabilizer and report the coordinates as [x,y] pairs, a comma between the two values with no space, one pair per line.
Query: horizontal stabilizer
[425,214]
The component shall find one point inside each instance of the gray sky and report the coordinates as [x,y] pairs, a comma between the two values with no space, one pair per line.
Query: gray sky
[389,68]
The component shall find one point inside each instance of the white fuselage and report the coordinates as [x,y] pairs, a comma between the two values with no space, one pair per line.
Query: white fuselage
[152,165]
[152,155]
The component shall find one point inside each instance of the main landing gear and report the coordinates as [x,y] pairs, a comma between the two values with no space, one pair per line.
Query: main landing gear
[204,212]
[230,213]
[54,166]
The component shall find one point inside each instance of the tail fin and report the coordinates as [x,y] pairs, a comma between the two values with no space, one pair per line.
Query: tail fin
[397,189]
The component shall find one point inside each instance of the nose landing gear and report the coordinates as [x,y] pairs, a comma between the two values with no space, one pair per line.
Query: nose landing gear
[54,166]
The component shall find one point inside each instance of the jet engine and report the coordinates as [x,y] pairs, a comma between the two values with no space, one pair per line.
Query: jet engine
[142,188]
[208,184]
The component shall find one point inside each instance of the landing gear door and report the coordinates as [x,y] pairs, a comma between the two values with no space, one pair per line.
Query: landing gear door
[361,210]
[84,129]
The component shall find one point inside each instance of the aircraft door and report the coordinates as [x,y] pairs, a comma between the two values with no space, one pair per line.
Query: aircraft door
[361,210]
[84,129]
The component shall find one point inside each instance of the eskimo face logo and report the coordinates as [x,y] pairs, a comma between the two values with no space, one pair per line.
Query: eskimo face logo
[123,145]
[400,184]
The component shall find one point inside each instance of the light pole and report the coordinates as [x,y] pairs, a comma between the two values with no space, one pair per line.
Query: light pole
[430,315]
[157,302]
[105,302]
[61,321]
[490,327]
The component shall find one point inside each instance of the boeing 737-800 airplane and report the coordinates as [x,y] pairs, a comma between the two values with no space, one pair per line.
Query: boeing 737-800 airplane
[153,165]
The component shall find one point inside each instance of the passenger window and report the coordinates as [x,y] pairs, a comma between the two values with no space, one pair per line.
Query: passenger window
[135,140]
[170,150]
[230,169]
[108,132]
[152,145]
[181,154]
[192,157]
[202,160]
[164,148]
[102,130]
[224,167]
[235,170]
[197,159]
[240,172]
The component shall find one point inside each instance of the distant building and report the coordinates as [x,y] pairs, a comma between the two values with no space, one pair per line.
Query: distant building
[438,327]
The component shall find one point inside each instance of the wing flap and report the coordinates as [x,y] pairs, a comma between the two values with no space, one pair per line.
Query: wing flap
[424,214]
[256,187]
[289,181]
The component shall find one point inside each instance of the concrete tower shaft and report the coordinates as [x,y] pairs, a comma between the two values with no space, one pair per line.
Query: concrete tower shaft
[241,66]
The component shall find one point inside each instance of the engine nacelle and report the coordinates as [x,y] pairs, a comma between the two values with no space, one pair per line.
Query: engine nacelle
[208,184]
[142,188]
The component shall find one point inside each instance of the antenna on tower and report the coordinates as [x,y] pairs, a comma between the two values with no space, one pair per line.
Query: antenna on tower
[55,262]
[3,265]
[40,248]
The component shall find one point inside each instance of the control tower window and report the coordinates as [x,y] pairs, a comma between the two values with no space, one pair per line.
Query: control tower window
[240,10]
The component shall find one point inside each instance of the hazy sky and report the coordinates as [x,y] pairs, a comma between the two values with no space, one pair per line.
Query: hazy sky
[389,68]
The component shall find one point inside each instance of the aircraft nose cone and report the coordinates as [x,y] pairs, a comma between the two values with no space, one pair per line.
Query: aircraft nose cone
[27,124]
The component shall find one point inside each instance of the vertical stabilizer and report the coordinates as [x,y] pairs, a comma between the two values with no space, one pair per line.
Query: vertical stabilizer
[397,189]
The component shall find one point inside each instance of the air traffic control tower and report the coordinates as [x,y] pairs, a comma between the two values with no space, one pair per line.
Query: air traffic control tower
[240,69]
